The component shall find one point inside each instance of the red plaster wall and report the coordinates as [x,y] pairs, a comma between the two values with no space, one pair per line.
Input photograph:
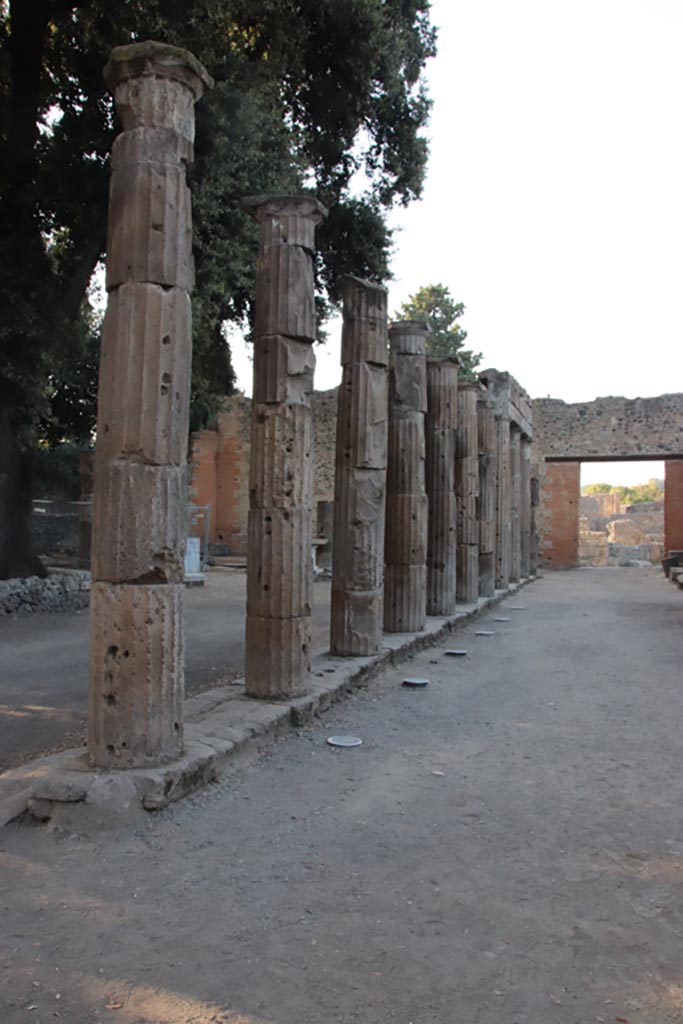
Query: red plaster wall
[673,505]
[561,502]
[203,483]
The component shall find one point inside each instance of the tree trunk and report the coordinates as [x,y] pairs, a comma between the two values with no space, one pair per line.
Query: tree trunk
[17,557]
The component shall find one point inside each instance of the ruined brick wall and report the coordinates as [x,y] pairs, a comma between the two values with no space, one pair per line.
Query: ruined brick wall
[220,466]
[559,527]
[610,428]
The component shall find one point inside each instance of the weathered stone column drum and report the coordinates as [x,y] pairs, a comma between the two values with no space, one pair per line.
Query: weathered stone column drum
[515,504]
[136,684]
[405,608]
[525,508]
[467,492]
[486,426]
[503,503]
[360,473]
[279,561]
[441,423]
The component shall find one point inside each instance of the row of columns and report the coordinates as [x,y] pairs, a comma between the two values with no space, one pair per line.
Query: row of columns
[432,488]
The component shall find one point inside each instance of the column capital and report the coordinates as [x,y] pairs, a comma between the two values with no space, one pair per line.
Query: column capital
[261,207]
[158,60]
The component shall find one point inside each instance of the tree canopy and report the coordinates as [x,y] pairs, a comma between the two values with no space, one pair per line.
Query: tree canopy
[318,95]
[434,304]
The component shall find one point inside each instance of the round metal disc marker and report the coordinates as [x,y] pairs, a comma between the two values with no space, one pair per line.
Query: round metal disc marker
[344,741]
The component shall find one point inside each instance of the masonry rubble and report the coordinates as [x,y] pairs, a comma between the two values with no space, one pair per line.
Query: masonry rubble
[135,707]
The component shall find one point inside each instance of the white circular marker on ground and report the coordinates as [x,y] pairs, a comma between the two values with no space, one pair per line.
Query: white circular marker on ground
[484,632]
[456,654]
[344,741]
[415,682]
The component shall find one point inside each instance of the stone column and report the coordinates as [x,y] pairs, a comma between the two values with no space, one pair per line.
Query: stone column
[515,504]
[467,491]
[360,473]
[533,553]
[486,424]
[525,508]
[279,563]
[135,701]
[405,607]
[441,424]
[503,506]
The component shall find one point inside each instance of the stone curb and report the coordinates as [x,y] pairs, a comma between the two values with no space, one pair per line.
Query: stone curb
[221,725]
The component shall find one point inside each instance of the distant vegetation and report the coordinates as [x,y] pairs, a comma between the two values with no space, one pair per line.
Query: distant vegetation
[653,490]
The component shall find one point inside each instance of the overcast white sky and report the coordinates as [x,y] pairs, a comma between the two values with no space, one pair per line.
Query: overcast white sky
[553,206]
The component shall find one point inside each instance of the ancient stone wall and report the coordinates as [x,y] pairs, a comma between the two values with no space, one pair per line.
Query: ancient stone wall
[610,428]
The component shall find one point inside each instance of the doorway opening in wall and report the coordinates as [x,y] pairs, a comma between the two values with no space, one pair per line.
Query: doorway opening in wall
[621,513]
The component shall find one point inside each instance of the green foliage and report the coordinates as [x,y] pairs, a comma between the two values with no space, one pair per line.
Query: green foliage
[435,305]
[653,490]
[315,94]
[590,489]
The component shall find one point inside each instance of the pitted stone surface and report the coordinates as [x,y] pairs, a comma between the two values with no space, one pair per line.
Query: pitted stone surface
[407,507]
[140,496]
[360,473]
[279,565]
[467,491]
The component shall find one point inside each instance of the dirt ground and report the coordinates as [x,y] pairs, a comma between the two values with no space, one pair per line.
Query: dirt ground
[505,848]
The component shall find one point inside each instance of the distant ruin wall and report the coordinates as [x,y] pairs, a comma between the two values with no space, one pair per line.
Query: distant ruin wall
[610,428]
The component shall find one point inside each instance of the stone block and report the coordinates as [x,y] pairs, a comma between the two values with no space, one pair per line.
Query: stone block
[146,356]
[364,331]
[136,674]
[408,384]
[151,146]
[139,522]
[278,657]
[405,598]
[279,586]
[283,370]
[442,394]
[286,220]
[487,585]
[358,559]
[408,337]
[149,229]
[281,468]
[468,573]
[285,290]
[440,460]
[406,456]
[362,417]
[406,529]
[356,622]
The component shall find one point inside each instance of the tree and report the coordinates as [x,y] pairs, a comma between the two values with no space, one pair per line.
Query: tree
[312,93]
[435,305]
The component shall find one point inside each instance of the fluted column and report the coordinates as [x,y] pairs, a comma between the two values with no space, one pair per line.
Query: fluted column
[503,507]
[441,423]
[360,473]
[486,425]
[467,492]
[525,508]
[405,608]
[535,497]
[515,504]
[136,677]
[279,563]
